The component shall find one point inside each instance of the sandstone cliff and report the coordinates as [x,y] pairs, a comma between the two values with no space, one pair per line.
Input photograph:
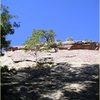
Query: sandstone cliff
[28,59]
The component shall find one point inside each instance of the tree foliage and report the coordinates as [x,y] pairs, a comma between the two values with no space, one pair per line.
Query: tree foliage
[70,39]
[59,42]
[7,26]
[40,37]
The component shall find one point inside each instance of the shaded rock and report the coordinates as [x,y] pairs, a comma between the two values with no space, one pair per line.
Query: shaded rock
[21,76]
[61,83]
[54,95]
[75,87]
[44,60]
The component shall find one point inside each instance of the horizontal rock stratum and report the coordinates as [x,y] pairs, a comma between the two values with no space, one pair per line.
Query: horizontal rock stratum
[21,58]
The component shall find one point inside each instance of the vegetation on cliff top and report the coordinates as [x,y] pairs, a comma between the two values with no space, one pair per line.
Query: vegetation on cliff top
[40,37]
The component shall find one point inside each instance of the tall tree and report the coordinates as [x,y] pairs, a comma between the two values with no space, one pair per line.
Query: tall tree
[6,27]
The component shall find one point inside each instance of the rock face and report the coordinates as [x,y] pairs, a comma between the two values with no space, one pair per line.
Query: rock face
[20,55]
[72,76]
[15,59]
[44,60]
[68,45]
[28,59]
[24,59]
[60,82]
[80,45]
[89,46]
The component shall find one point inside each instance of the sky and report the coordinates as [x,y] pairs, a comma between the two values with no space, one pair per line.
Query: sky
[78,19]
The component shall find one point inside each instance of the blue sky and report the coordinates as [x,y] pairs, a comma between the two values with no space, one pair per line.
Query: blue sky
[78,19]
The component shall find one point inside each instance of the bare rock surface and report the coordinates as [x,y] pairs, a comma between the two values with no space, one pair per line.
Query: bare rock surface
[28,58]
[73,76]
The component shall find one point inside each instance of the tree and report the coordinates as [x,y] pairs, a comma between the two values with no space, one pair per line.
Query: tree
[6,27]
[40,37]
[70,39]
[59,42]
[48,36]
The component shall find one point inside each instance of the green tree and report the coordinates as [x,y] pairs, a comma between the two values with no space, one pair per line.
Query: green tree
[59,42]
[40,37]
[70,39]
[48,36]
[7,26]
